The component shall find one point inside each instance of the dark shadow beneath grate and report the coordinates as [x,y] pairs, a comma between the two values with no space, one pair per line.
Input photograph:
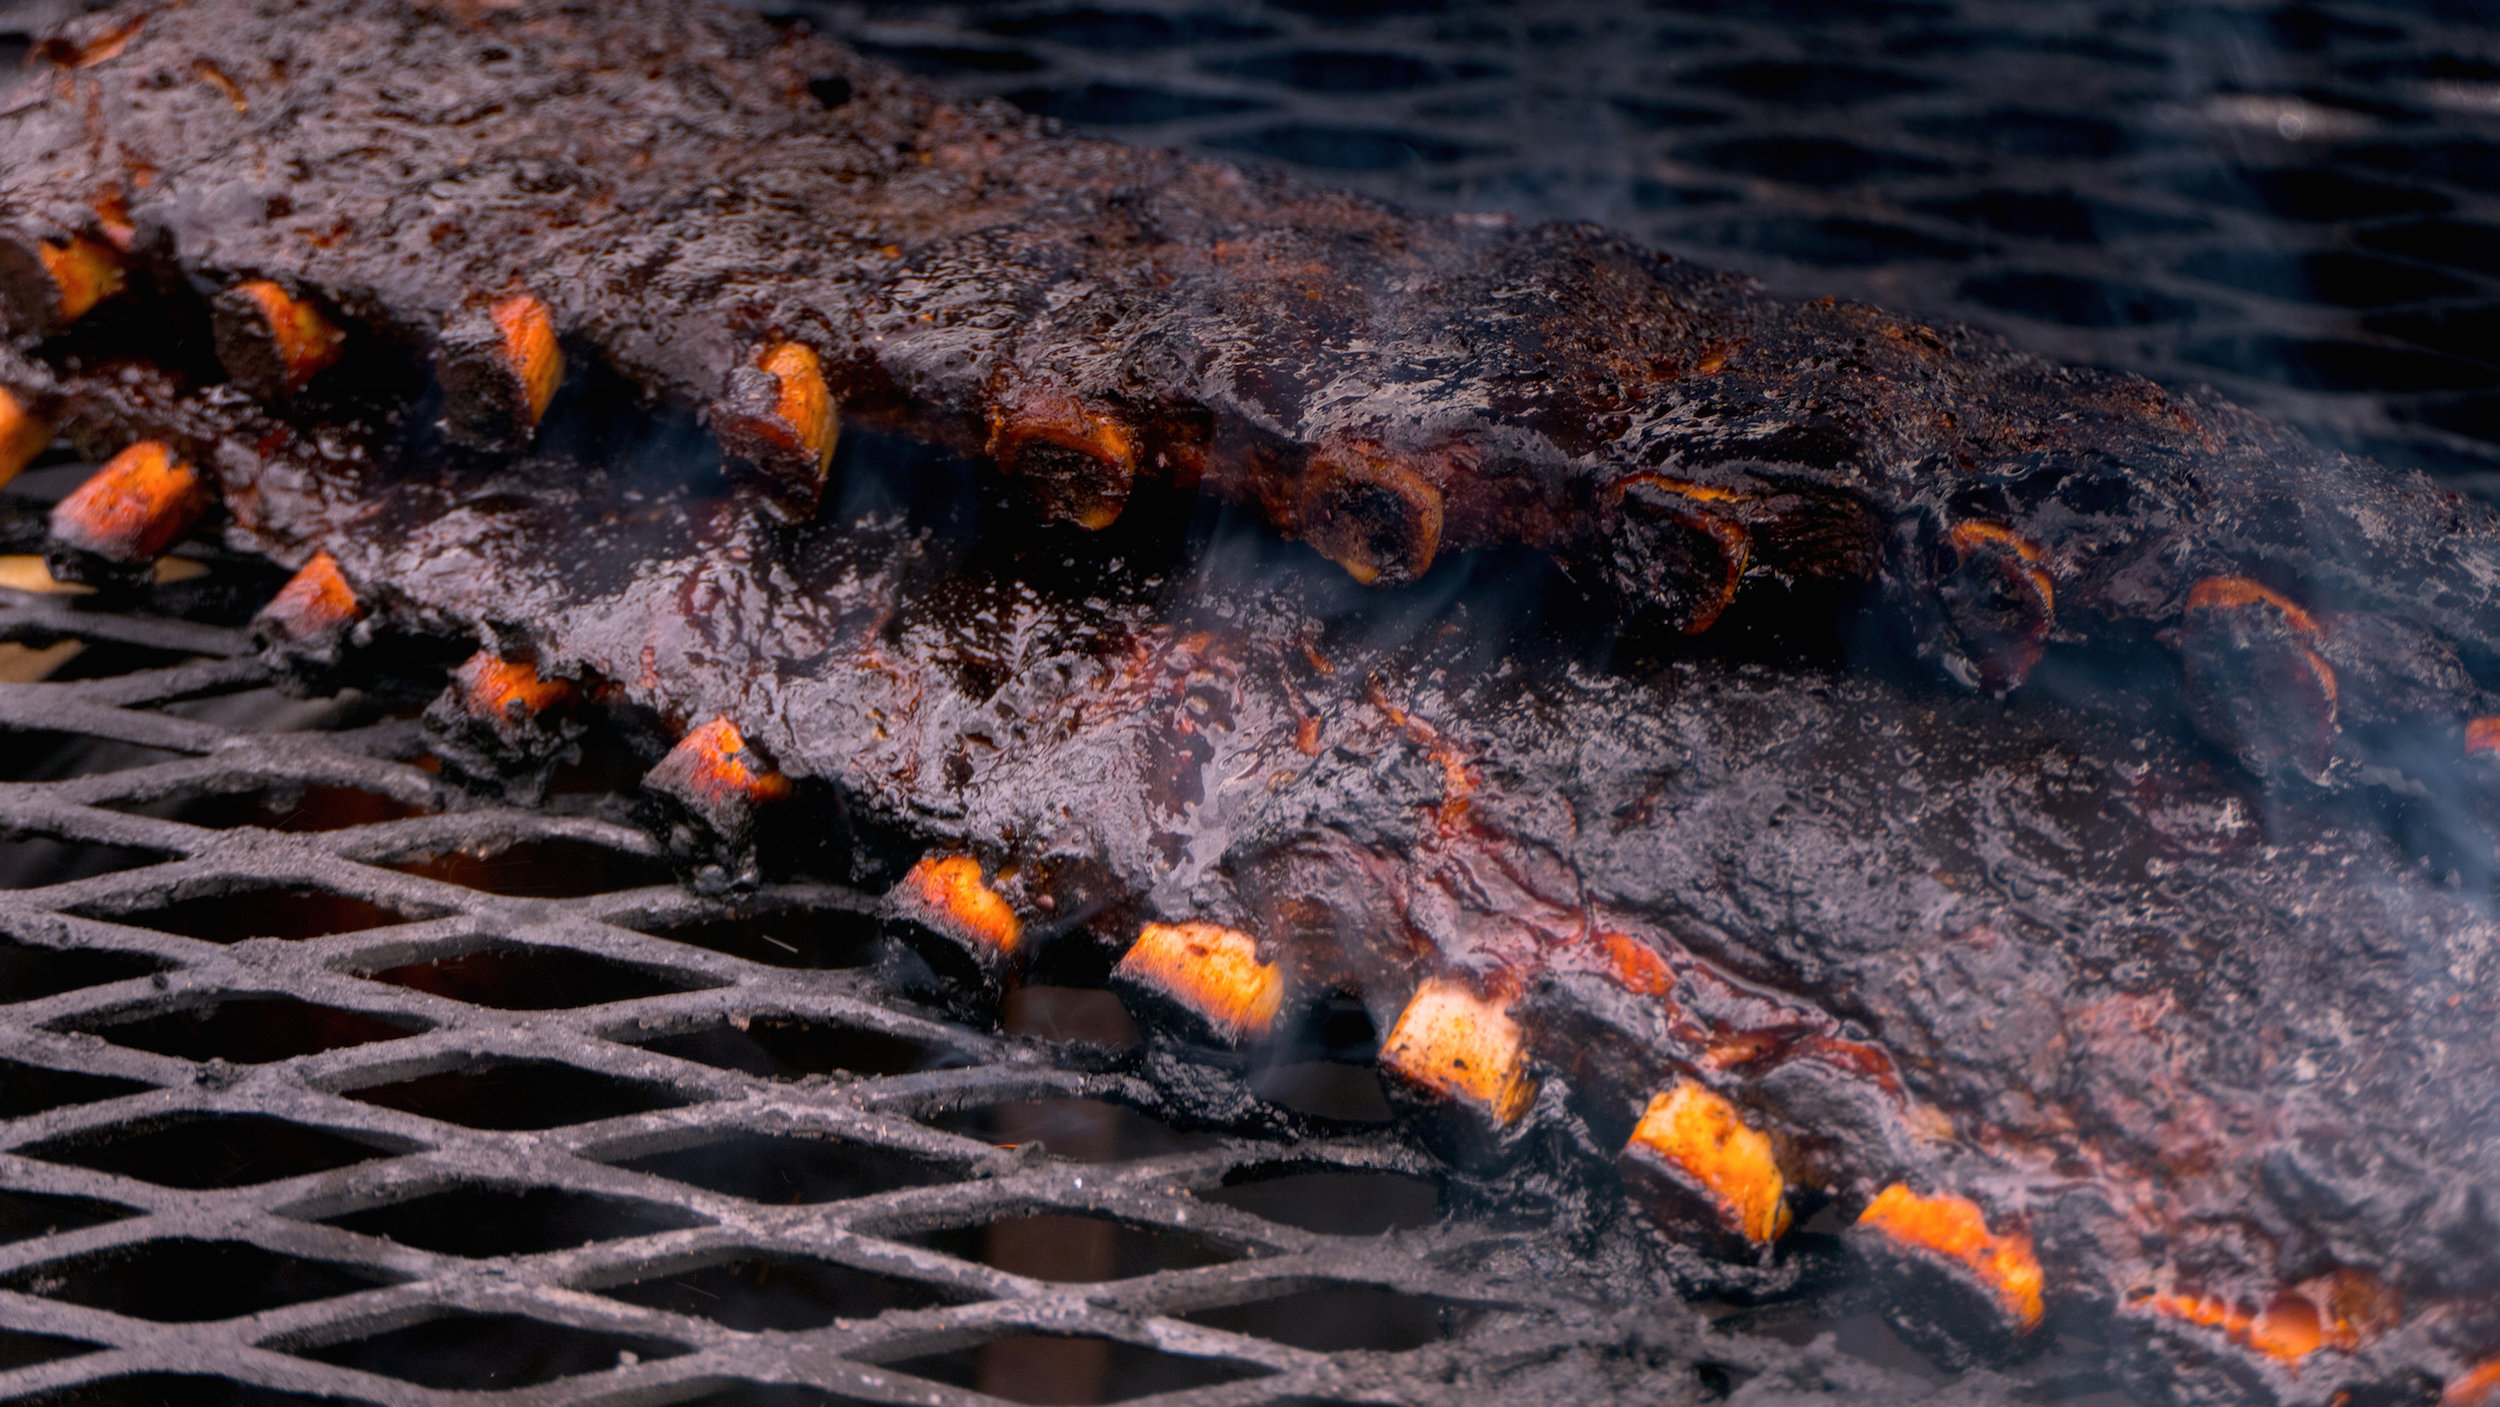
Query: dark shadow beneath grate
[21,1350]
[511,978]
[481,1222]
[1053,1368]
[188,1281]
[180,1390]
[1331,1201]
[1344,1319]
[776,1049]
[760,1395]
[787,1293]
[787,1171]
[545,869]
[213,1150]
[1325,1089]
[253,1031]
[263,913]
[825,939]
[517,1095]
[26,1215]
[1087,1130]
[490,1352]
[29,974]
[1075,1248]
[31,1089]
[39,756]
[300,811]
[25,864]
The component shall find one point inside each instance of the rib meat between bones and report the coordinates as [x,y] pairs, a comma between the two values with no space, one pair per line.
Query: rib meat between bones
[2032,997]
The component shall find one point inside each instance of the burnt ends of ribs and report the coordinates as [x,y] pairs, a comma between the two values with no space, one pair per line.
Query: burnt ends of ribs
[1750,945]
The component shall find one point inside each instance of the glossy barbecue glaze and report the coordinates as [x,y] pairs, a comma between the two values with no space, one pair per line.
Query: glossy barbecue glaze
[2081,1030]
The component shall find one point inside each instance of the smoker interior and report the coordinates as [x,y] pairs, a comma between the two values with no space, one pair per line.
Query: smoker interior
[323,1081]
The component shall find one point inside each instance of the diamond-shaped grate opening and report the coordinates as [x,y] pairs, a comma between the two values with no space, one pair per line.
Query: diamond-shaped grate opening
[788,1293]
[1331,1201]
[26,1215]
[1054,1368]
[491,1352]
[1087,1130]
[252,1031]
[1077,1249]
[31,1089]
[29,973]
[181,1390]
[520,1094]
[783,1049]
[552,869]
[213,1150]
[511,977]
[792,1170]
[42,861]
[822,939]
[183,1281]
[486,1222]
[1344,1319]
[20,1350]
[270,912]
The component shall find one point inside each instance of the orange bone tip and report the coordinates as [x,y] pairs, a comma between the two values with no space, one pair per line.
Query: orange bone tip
[1080,461]
[271,337]
[951,893]
[715,763]
[23,434]
[134,507]
[84,272]
[529,341]
[1954,1229]
[493,685]
[2221,593]
[2482,735]
[1213,971]
[315,599]
[805,403]
[1972,536]
[2478,1386]
[1695,1136]
[1683,540]
[1461,1046]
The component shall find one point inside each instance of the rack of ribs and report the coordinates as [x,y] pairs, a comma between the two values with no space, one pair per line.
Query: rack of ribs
[535,328]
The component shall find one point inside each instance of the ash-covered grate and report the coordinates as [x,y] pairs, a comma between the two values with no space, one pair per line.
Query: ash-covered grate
[310,1097]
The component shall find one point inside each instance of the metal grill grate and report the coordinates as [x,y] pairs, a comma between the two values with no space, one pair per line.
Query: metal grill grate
[322,1079]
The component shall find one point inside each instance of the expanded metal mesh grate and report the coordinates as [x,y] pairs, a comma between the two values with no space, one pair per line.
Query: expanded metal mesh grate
[321,1079]
[2297,200]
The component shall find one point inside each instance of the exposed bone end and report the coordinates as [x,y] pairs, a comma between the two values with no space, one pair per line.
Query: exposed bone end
[948,894]
[711,790]
[306,629]
[503,725]
[1213,973]
[1371,513]
[1678,546]
[2482,736]
[777,425]
[1077,463]
[1454,1044]
[2000,603]
[23,435]
[1694,1153]
[500,367]
[2478,1386]
[271,342]
[2256,681]
[127,513]
[1950,1234]
[49,284]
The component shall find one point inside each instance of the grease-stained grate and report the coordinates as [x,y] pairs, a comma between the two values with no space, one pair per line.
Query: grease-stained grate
[2298,200]
[305,1097]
